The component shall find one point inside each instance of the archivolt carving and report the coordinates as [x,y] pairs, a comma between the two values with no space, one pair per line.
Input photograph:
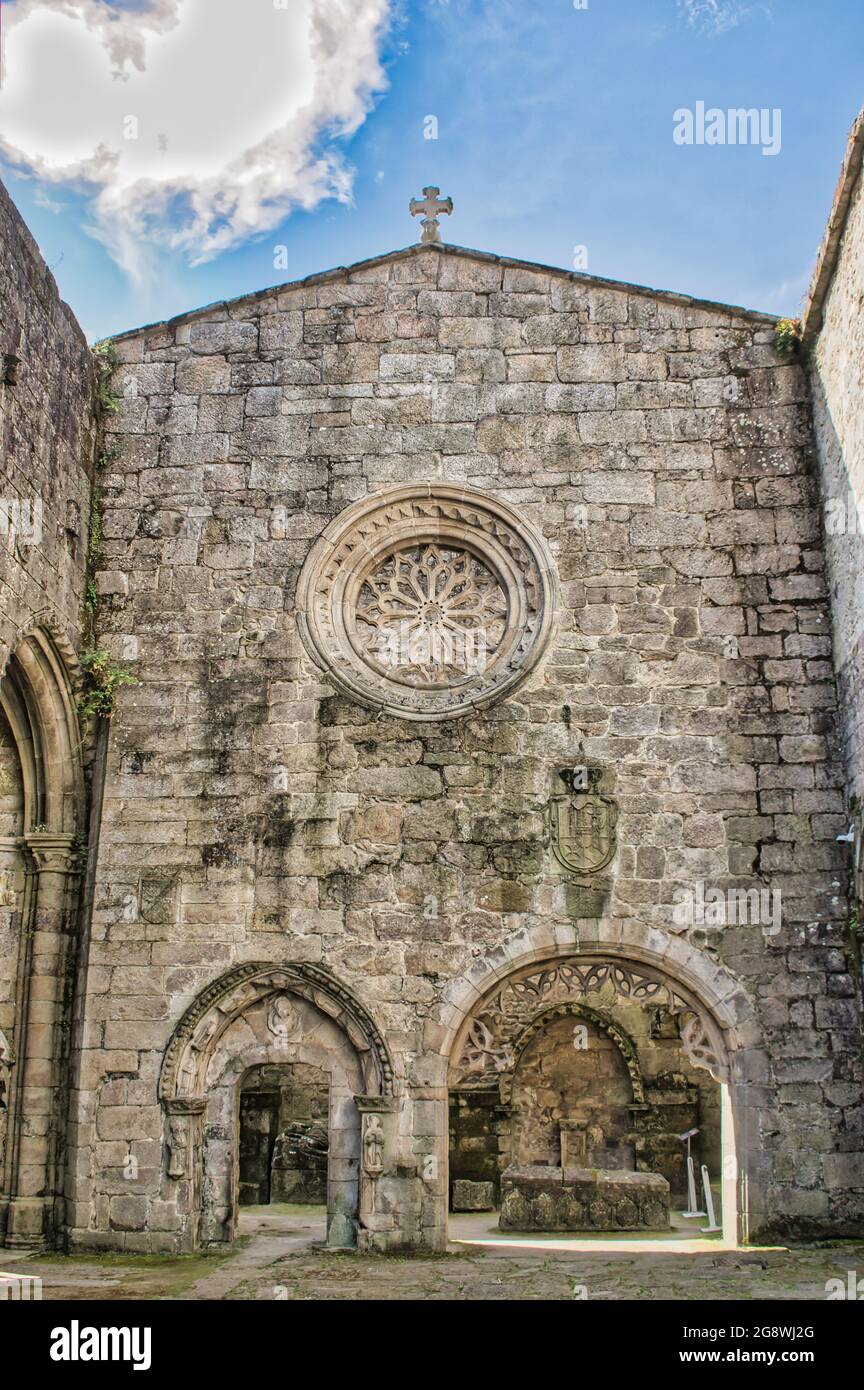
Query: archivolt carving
[622,1041]
[37,693]
[491,1034]
[204,1022]
[45,628]
[427,601]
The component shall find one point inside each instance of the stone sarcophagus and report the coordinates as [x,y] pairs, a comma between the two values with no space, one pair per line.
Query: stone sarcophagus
[541,1198]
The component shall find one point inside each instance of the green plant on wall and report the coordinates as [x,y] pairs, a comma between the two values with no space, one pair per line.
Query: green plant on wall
[855,925]
[102,675]
[102,679]
[94,554]
[107,456]
[788,343]
[106,360]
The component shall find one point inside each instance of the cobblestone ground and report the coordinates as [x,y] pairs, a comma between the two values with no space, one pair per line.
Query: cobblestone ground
[278,1258]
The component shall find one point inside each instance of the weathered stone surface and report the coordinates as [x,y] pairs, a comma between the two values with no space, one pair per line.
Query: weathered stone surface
[47,447]
[539,1198]
[606,419]
[472,1196]
[834,331]
[255,815]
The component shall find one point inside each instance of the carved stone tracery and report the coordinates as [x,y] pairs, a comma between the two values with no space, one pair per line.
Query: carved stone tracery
[427,601]
[430,614]
[495,1031]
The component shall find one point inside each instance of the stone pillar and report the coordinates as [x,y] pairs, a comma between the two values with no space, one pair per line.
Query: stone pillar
[6,1063]
[34,1187]
[376,1212]
[574,1143]
[343,1168]
[430,1136]
[11,897]
[180,1208]
[728,1169]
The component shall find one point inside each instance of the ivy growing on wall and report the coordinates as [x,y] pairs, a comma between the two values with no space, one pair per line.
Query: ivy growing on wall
[855,924]
[105,358]
[103,676]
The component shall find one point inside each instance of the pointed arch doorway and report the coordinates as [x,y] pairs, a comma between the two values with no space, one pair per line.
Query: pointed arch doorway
[42,823]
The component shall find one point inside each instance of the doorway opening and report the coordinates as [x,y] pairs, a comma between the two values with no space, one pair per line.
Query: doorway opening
[283,1136]
[577,1095]
[279,1030]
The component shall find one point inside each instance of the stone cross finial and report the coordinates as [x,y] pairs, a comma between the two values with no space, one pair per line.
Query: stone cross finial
[431,207]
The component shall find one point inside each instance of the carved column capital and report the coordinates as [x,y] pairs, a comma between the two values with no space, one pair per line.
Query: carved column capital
[376,1105]
[52,853]
[185,1105]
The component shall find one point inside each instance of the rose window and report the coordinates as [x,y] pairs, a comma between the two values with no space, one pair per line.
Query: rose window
[431,613]
[427,601]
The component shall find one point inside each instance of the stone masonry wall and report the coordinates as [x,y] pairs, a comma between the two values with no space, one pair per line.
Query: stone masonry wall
[46,444]
[251,813]
[837,369]
[46,466]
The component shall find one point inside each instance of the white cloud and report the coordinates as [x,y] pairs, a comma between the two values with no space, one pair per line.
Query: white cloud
[716,16]
[788,296]
[42,200]
[236,110]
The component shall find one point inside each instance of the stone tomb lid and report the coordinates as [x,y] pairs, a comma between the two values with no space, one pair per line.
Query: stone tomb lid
[543,1174]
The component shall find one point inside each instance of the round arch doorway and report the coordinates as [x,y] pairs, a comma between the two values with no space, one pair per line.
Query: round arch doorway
[703,1009]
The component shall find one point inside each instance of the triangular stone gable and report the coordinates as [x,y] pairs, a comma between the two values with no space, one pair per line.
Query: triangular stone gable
[451,271]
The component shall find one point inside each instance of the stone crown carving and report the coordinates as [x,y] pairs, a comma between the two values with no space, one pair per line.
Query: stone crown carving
[427,601]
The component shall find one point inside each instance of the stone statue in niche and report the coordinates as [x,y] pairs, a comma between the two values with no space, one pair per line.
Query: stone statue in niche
[178,1145]
[373,1147]
[595,1137]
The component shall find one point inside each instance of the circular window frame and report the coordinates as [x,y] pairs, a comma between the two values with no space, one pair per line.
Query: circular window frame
[365,533]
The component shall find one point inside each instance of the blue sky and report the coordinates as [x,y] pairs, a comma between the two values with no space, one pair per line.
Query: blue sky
[555,129]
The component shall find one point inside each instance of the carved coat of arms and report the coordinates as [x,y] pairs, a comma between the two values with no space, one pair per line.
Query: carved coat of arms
[583,830]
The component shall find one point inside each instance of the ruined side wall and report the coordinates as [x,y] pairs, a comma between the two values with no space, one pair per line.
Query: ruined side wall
[46,444]
[251,813]
[46,462]
[837,369]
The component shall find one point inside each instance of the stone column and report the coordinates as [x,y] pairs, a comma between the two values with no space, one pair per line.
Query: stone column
[430,1132]
[180,1207]
[6,1063]
[11,897]
[34,1186]
[377,1143]
[343,1168]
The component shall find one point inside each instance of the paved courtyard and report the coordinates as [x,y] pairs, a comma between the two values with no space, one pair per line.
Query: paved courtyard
[278,1256]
